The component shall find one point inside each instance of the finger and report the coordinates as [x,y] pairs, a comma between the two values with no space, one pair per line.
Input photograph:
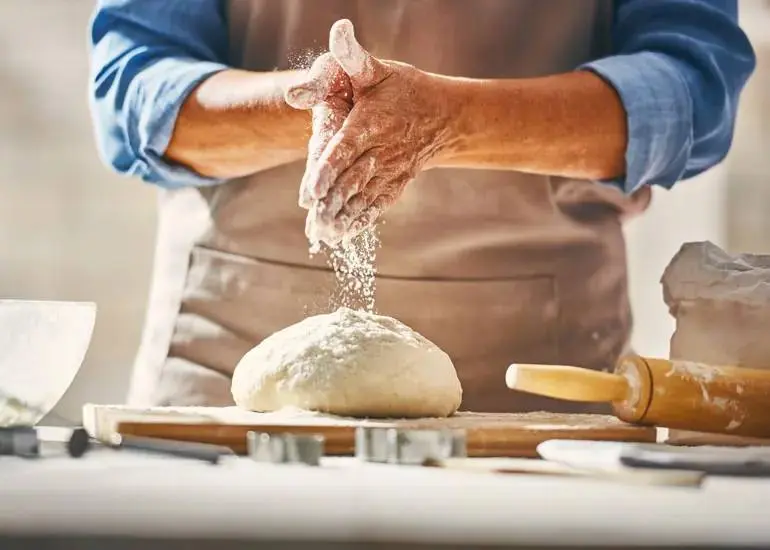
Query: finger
[328,118]
[305,200]
[358,204]
[370,215]
[342,150]
[342,228]
[372,195]
[362,67]
[349,184]
[310,231]
[311,228]
[317,231]
[313,86]
[316,84]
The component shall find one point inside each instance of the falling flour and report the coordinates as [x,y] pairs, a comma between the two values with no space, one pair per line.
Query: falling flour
[353,262]
[353,259]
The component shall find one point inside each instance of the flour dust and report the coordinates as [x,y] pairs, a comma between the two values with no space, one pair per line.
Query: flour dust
[354,264]
[303,60]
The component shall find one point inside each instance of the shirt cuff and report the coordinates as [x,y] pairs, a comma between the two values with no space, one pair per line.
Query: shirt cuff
[659,117]
[157,100]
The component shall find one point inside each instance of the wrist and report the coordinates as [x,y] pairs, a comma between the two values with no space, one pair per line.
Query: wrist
[459,101]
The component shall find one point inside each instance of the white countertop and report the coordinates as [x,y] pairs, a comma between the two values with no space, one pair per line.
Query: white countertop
[109,493]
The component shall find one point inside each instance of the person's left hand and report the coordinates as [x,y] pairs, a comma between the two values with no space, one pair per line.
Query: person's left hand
[398,124]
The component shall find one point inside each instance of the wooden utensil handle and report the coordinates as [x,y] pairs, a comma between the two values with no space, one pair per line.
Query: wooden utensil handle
[570,383]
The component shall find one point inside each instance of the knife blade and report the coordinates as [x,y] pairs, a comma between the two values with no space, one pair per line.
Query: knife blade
[618,456]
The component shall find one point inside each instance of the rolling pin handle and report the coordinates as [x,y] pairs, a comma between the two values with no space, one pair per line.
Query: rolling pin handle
[565,382]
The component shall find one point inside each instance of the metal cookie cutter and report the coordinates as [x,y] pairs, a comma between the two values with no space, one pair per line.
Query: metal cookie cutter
[396,446]
[19,441]
[285,448]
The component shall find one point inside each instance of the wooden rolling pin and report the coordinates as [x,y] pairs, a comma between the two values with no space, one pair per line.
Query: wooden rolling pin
[660,392]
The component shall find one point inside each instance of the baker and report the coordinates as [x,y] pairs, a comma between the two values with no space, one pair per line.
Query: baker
[498,145]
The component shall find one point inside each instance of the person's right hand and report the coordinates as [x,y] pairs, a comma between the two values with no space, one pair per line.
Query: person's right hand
[327,92]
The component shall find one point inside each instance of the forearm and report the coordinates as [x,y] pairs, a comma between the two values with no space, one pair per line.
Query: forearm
[570,125]
[236,123]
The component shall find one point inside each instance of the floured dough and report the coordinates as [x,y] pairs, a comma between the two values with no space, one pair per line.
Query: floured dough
[350,363]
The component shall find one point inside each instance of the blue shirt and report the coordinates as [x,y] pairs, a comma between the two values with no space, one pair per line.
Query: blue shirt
[677,65]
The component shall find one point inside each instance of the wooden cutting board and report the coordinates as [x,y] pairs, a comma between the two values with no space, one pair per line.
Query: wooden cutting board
[488,434]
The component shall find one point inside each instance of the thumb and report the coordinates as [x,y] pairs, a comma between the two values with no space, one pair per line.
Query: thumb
[363,68]
[314,86]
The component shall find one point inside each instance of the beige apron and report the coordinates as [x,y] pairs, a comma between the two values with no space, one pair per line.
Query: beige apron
[495,267]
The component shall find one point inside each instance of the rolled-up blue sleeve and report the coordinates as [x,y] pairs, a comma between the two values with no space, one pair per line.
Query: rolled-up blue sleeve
[145,58]
[679,67]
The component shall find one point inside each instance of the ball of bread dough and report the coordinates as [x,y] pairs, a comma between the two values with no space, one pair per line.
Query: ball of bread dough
[349,363]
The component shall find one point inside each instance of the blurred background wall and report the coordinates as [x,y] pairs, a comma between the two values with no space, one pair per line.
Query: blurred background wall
[71,230]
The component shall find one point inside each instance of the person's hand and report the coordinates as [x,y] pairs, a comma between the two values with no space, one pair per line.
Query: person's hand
[327,92]
[398,123]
